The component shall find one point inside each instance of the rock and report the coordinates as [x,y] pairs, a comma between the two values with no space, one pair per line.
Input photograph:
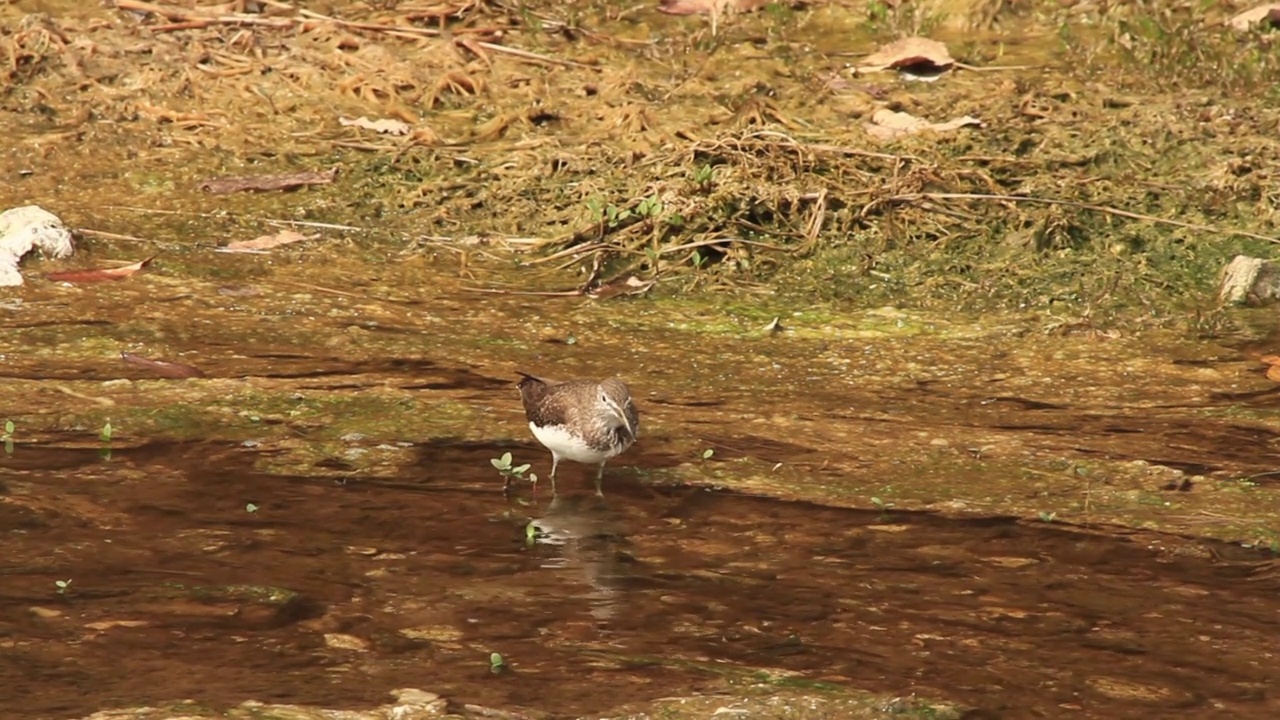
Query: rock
[1249,280]
[25,228]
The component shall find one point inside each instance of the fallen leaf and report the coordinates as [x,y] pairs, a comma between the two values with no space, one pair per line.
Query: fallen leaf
[164,368]
[386,126]
[474,46]
[109,624]
[98,275]
[265,242]
[886,124]
[1273,373]
[1270,359]
[228,185]
[709,7]
[1268,13]
[631,285]
[918,56]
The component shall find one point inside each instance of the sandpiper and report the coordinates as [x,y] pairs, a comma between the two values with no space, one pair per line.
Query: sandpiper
[580,420]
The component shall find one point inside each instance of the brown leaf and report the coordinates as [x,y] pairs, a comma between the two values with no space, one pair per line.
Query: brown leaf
[385,126]
[1273,373]
[709,7]
[265,242]
[1269,359]
[1267,13]
[920,55]
[88,276]
[163,368]
[228,185]
[886,124]
[631,285]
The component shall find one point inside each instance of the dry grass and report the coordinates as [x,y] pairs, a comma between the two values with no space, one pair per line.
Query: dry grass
[1133,153]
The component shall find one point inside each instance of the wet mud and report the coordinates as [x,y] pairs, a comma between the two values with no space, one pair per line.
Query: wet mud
[194,574]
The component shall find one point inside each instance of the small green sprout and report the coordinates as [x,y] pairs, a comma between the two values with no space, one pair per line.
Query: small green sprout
[510,472]
[703,176]
[7,437]
[706,454]
[881,504]
[650,207]
[877,11]
[496,663]
[1048,516]
[106,432]
[615,214]
[250,507]
[63,585]
[503,464]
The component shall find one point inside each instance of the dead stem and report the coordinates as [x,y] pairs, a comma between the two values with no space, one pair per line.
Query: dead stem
[912,197]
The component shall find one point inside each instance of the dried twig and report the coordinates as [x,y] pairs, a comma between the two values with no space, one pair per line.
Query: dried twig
[911,197]
[187,20]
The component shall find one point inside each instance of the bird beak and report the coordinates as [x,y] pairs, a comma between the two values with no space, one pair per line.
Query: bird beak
[622,417]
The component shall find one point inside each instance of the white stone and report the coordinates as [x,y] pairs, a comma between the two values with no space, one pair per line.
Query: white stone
[25,228]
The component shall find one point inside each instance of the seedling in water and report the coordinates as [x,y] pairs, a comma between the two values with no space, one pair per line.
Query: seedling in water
[7,437]
[105,435]
[250,507]
[496,663]
[706,454]
[509,473]
[63,586]
[1048,516]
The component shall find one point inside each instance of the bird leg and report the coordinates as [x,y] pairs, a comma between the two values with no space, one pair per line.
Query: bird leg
[599,479]
[555,460]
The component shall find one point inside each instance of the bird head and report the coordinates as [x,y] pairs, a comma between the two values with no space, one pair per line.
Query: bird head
[614,402]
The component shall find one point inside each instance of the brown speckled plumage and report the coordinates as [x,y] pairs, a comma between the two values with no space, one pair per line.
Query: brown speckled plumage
[599,416]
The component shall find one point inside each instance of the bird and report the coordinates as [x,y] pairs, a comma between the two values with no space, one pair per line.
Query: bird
[585,421]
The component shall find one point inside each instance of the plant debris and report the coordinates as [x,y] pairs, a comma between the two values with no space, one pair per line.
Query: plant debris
[1266,14]
[291,181]
[888,125]
[99,274]
[917,56]
[385,126]
[163,368]
[656,150]
[265,242]
[709,7]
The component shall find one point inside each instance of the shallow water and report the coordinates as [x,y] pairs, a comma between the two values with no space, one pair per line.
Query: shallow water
[332,592]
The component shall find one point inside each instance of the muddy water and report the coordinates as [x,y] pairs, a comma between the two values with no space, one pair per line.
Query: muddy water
[195,575]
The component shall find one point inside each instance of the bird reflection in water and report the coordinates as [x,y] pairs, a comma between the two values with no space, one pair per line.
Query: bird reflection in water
[581,532]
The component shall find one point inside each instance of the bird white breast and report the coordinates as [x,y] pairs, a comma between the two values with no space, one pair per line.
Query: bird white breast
[568,446]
